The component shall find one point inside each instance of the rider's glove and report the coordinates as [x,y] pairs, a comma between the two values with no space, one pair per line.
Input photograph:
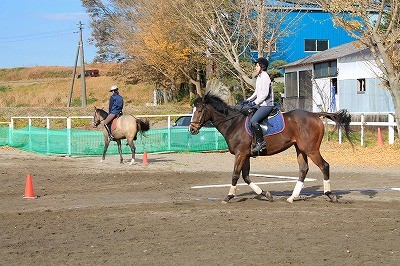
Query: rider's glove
[252,104]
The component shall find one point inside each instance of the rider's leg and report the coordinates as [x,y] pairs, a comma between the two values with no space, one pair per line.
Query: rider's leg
[107,125]
[259,115]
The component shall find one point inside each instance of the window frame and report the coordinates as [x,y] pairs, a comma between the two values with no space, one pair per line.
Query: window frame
[317,43]
[361,86]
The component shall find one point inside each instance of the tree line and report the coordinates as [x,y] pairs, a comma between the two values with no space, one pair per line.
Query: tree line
[170,43]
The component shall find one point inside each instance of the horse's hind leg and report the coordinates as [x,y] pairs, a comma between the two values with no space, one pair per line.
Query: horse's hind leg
[303,170]
[324,166]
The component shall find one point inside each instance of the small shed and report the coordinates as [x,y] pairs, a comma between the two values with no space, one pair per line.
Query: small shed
[344,77]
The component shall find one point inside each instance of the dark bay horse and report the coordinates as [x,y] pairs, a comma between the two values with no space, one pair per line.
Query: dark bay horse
[127,126]
[303,129]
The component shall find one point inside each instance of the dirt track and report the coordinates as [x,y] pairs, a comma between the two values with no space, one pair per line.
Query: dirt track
[93,213]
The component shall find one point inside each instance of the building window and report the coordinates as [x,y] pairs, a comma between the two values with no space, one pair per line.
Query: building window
[360,85]
[311,45]
[305,83]
[325,69]
[291,84]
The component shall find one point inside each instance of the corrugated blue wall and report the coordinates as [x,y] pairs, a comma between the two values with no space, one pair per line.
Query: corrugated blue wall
[311,25]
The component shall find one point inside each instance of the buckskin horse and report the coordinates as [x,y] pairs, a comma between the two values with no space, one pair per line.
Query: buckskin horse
[123,127]
[301,128]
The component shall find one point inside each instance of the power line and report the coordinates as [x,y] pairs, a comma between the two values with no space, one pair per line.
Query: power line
[35,36]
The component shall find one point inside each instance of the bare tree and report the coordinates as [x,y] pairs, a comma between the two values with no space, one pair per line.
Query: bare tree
[376,24]
[230,29]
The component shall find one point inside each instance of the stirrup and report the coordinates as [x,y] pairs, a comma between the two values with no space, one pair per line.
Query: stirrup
[259,147]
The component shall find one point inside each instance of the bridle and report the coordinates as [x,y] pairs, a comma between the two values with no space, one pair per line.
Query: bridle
[201,122]
[98,121]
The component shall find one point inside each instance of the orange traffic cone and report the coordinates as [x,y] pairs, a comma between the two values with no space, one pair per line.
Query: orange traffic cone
[29,194]
[145,159]
[380,139]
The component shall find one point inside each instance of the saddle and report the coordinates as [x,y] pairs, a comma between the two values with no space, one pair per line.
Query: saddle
[273,125]
[114,122]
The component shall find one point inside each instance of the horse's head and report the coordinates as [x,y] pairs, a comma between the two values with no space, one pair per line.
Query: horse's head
[99,115]
[202,113]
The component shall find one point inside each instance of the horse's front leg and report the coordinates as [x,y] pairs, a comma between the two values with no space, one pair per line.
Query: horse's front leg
[106,143]
[303,170]
[133,150]
[242,164]
[246,178]
[121,160]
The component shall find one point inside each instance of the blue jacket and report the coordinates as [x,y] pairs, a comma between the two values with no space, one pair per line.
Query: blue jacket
[116,104]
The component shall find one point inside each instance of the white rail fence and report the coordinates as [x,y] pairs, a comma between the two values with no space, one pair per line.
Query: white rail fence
[390,123]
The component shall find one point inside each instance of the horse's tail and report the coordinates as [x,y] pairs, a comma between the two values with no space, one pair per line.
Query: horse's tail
[143,125]
[342,119]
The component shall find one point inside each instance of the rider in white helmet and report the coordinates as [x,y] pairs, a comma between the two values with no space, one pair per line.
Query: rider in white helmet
[116,104]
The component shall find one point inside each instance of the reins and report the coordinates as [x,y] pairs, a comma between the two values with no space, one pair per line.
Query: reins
[218,121]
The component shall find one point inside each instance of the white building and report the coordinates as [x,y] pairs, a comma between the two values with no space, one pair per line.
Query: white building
[344,77]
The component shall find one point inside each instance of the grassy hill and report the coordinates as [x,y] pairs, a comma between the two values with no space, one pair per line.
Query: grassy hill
[40,91]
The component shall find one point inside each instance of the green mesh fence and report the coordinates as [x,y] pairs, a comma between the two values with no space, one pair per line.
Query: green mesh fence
[76,142]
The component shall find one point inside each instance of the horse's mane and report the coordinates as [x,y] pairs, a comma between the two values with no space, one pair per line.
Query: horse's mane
[216,102]
[102,113]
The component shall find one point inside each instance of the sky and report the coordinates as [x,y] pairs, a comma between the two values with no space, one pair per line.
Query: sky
[42,33]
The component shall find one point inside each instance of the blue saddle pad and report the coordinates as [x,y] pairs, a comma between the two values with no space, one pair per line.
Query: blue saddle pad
[276,124]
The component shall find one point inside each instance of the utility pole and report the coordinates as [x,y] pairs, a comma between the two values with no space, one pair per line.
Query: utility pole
[83,78]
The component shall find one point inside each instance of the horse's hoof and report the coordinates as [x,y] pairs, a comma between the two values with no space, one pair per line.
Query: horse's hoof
[227,198]
[101,161]
[268,196]
[290,199]
[331,197]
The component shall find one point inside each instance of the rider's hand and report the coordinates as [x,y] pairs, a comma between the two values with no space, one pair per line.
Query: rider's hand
[251,104]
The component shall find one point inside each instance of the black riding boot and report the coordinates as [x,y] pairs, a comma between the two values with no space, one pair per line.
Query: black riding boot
[110,135]
[260,143]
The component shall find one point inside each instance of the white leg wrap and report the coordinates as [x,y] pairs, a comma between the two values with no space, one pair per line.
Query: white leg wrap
[256,188]
[232,190]
[327,186]
[297,189]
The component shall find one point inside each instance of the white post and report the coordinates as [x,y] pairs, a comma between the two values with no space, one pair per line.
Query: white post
[169,133]
[340,135]
[362,129]
[391,128]
[10,132]
[69,135]
[29,131]
[47,135]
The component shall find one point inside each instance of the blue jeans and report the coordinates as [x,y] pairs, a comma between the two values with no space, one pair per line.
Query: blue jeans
[260,114]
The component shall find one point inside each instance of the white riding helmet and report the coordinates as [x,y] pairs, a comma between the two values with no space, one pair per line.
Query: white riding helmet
[114,88]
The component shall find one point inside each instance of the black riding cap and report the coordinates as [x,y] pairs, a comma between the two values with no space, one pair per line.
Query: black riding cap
[263,62]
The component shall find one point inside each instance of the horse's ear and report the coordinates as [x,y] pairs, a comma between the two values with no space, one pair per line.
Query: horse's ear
[95,108]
